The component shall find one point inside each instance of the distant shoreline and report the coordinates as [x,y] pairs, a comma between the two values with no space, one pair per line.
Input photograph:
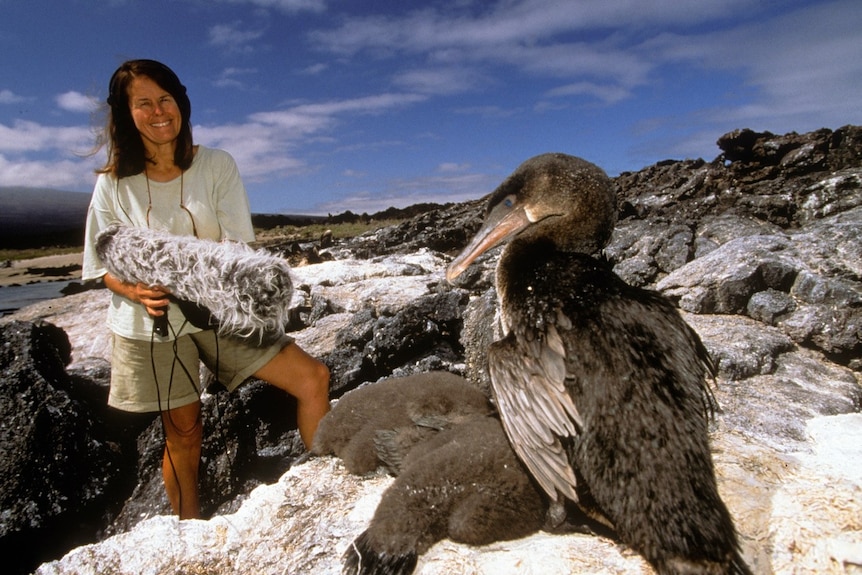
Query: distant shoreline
[64,267]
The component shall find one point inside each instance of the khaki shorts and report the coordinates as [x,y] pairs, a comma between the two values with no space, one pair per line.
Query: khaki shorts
[163,375]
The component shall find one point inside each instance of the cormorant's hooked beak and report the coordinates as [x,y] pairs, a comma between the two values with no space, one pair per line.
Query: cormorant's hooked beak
[505,221]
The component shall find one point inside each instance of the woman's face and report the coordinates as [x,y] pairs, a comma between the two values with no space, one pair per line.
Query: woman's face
[154,111]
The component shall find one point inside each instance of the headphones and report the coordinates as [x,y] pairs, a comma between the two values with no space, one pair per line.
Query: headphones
[145,67]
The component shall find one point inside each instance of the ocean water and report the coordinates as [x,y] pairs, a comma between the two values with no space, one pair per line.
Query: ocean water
[15,297]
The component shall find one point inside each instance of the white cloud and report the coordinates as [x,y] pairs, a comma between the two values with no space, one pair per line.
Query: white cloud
[285,5]
[440,81]
[69,174]
[266,145]
[615,61]
[260,150]
[364,105]
[804,69]
[316,69]
[543,38]
[606,93]
[449,167]
[231,38]
[489,112]
[23,136]
[9,97]
[76,102]
[232,77]
[33,154]
[512,22]
[801,71]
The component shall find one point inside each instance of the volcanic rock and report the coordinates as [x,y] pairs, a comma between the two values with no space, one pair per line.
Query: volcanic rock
[761,248]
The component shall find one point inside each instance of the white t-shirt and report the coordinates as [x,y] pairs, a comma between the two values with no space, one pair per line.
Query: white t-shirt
[213,193]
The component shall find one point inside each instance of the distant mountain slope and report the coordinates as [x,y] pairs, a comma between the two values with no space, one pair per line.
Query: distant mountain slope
[29,215]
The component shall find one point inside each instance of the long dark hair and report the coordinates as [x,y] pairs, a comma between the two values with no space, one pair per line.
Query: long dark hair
[126,153]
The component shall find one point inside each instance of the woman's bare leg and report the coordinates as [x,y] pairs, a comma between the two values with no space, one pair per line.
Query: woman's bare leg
[181,461]
[305,378]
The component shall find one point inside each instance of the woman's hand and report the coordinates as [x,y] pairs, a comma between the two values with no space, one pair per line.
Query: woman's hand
[153,298]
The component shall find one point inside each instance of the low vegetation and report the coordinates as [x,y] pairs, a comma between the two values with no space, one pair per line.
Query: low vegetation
[7,254]
[315,231]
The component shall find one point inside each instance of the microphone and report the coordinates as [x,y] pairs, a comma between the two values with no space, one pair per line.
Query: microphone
[160,324]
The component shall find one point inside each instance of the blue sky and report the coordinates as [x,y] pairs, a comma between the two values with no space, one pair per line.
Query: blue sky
[359,105]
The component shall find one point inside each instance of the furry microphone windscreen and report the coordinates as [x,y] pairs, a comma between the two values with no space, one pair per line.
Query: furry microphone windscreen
[247,291]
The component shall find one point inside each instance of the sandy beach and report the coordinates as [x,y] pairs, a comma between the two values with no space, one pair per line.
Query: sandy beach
[43,269]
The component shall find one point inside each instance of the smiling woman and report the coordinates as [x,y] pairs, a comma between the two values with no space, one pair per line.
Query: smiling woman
[158,183]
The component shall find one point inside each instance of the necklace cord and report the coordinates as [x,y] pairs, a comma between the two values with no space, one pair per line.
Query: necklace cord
[182,201]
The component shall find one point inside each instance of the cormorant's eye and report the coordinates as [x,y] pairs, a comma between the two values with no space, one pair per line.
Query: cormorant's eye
[509,201]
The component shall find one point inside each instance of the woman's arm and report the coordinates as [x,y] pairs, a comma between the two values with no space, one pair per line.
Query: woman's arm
[154,299]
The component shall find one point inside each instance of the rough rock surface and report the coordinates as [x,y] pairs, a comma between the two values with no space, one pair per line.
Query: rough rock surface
[45,423]
[761,248]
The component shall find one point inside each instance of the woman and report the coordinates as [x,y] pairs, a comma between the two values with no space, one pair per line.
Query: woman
[157,178]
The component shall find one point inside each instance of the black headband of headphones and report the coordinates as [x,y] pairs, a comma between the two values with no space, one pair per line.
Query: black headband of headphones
[142,67]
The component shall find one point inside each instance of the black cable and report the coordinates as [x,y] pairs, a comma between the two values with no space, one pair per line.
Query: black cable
[218,402]
[170,386]
[198,391]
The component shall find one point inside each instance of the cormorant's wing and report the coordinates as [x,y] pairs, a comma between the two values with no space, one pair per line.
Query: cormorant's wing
[528,380]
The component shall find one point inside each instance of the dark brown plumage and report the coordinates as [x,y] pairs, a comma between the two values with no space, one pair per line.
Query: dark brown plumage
[457,476]
[465,484]
[377,424]
[601,386]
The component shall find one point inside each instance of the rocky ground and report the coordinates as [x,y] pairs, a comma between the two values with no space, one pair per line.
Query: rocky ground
[761,248]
